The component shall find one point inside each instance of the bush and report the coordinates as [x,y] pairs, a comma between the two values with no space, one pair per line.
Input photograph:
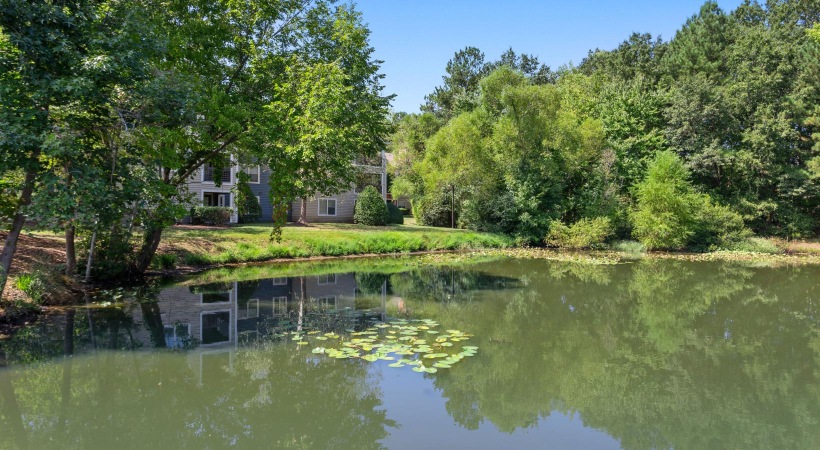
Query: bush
[210,215]
[164,261]
[395,214]
[630,247]
[371,209]
[248,209]
[756,245]
[717,227]
[406,211]
[585,233]
[666,205]
[33,285]
[113,254]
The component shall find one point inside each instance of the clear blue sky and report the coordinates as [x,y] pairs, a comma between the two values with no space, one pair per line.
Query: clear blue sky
[416,38]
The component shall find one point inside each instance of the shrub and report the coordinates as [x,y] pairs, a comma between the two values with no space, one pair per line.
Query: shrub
[371,209]
[717,227]
[629,247]
[665,214]
[113,254]
[406,211]
[32,285]
[756,245]
[248,209]
[585,233]
[210,215]
[395,214]
[164,261]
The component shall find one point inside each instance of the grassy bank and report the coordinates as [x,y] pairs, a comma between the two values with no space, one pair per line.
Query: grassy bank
[198,246]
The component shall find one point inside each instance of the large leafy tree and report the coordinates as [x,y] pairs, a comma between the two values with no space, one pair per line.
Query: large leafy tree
[290,83]
[62,63]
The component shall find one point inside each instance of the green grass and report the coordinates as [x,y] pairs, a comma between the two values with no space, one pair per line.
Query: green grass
[249,243]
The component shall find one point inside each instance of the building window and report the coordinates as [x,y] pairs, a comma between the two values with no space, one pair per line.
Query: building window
[253,174]
[176,335]
[327,207]
[279,281]
[327,279]
[210,173]
[215,327]
[280,306]
[326,303]
[252,308]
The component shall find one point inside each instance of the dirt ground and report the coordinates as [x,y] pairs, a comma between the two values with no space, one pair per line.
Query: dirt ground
[31,252]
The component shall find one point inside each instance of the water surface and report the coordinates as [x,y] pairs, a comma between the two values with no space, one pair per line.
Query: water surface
[638,355]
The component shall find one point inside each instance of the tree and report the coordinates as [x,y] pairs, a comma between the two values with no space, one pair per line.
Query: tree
[289,83]
[664,217]
[61,62]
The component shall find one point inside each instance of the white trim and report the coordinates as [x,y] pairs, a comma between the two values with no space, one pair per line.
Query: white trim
[248,309]
[327,199]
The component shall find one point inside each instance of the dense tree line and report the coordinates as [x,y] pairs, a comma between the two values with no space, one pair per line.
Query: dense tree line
[693,143]
[108,107]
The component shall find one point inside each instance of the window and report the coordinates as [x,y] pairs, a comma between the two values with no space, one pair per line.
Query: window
[175,335]
[253,173]
[279,281]
[327,207]
[209,173]
[216,327]
[326,303]
[252,308]
[327,279]
[280,306]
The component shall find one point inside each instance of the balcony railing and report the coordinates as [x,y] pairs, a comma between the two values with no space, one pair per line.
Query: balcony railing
[375,160]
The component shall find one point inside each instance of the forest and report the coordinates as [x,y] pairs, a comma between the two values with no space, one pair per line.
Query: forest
[696,143]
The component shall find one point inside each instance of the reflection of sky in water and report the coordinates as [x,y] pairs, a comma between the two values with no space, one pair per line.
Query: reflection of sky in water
[417,406]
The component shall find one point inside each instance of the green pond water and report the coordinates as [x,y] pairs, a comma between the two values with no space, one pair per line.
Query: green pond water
[642,354]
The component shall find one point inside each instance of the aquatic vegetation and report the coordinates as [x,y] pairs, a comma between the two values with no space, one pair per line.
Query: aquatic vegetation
[402,341]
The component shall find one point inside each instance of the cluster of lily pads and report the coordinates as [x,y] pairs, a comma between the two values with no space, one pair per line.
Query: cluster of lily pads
[414,343]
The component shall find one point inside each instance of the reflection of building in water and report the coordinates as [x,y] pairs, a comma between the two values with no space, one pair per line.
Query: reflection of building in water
[222,313]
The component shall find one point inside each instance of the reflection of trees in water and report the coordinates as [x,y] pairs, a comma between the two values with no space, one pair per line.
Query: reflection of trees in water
[446,283]
[668,354]
[274,397]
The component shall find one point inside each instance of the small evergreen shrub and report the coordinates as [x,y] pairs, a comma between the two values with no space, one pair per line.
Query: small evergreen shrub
[210,215]
[585,233]
[248,208]
[371,209]
[406,211]
[395,214]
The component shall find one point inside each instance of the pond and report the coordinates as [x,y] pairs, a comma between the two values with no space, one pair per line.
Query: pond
[639,354]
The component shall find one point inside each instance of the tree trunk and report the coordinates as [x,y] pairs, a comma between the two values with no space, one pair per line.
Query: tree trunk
[70,252]
[303,211]
[10,247]
[90,255]
[16,422]
[152,318]
[70,231]
[150,244]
